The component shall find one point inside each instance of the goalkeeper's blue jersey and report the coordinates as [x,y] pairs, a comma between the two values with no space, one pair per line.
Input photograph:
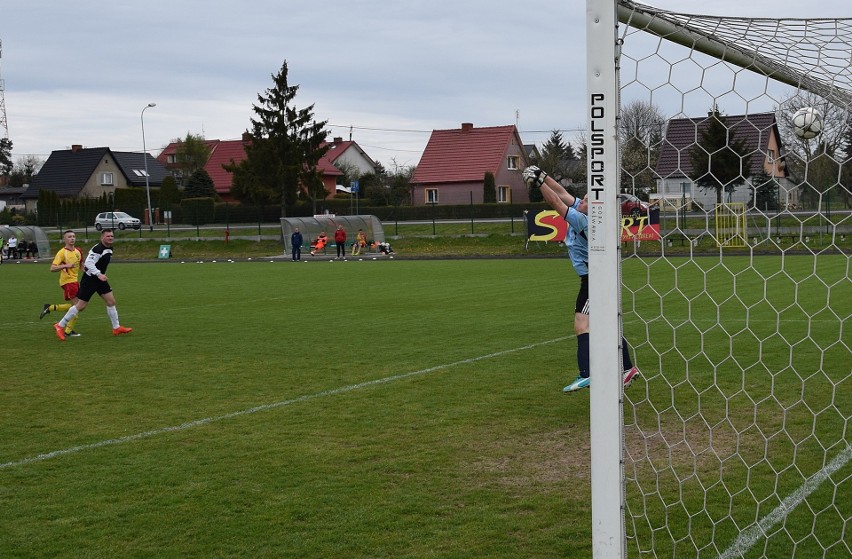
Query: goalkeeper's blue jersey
[577,240]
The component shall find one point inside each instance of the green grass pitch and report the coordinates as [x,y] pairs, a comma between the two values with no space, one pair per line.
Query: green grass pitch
[323,409]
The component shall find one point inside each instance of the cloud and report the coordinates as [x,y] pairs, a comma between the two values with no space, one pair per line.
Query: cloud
[81,72]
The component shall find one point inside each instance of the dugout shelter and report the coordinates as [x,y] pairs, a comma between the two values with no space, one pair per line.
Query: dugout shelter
[27,233]
[311,227]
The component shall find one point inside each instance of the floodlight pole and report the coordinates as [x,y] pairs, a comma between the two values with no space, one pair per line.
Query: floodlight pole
[145,159]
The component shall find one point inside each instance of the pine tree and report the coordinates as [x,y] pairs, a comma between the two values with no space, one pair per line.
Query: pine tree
[169,193]
[489,188]
[284,151]
[556,155]
[718,162]
[199,185]
[5,156]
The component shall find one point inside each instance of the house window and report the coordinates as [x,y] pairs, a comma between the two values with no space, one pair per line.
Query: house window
[772,156]
[504,194]
[171,159]
[106,179]
[431,195]
[680,188]
[512,162]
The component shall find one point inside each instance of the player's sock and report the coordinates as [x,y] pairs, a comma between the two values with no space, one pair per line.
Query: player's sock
[70,327]
[69,316]
[583,354]
[625,355]
[113,317]
[60,307]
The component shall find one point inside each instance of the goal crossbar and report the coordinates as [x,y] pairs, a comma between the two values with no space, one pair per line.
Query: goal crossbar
[767,52]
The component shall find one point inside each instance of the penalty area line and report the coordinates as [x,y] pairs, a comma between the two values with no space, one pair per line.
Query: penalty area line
[265,407]
[749,537]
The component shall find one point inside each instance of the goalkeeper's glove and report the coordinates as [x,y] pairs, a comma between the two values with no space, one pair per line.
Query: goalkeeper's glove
[533,176]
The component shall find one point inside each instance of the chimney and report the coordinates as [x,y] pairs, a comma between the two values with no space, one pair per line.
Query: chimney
[246,137]
[338,140]
[76,147]
[467,126]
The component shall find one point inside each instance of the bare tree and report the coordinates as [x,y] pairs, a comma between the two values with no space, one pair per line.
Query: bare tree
[640,134]
[640,120]
[817,163]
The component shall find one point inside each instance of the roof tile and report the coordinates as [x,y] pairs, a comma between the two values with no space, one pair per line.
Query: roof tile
[683,133]
[462,154]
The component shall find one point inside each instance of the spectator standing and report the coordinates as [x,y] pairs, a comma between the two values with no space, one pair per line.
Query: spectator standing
[296,241]
[340,241]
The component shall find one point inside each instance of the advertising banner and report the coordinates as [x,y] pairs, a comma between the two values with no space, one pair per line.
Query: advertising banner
[548,225]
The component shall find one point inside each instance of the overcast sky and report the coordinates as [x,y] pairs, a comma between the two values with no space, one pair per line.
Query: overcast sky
[81,72]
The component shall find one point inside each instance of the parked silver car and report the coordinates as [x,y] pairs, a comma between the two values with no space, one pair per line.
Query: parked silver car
[116,220]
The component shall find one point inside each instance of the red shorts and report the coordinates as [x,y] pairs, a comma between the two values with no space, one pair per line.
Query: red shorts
[70,290]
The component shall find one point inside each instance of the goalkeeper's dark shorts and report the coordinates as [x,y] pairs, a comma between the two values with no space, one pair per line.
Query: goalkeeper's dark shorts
[582,305]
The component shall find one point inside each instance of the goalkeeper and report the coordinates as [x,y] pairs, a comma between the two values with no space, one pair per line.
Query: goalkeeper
[574,211]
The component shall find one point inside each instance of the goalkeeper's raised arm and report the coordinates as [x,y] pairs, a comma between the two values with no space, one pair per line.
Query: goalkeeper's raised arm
[554,193]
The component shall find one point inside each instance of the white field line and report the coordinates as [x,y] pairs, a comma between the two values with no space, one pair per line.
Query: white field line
[267,407]
[749,537]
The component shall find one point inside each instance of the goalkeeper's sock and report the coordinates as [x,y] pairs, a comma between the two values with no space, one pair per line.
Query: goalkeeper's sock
[61,307]
[583,354]
[625,355]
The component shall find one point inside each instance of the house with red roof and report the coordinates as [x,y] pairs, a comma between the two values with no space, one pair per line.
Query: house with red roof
[453,166]
[762,140]
[346,152]
[223,152]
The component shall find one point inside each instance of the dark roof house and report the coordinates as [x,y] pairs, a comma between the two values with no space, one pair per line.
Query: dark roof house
[761,138]
[758,131]
[91,172]
[453,166]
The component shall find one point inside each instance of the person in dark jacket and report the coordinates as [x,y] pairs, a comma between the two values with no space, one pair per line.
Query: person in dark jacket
[296,241]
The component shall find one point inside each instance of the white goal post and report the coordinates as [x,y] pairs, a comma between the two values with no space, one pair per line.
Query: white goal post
[736,440]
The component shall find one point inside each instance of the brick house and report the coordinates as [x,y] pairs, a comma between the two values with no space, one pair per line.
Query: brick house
[224,151]
[453,166]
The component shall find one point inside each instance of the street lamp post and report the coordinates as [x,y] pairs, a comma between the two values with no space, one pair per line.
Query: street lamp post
[145,159]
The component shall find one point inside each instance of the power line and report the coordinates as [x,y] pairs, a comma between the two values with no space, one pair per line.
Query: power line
[415,131]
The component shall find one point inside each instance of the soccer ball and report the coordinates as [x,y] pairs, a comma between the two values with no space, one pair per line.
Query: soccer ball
[807,123]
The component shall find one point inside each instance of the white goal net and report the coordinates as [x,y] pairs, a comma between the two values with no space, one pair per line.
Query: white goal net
[736,441]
